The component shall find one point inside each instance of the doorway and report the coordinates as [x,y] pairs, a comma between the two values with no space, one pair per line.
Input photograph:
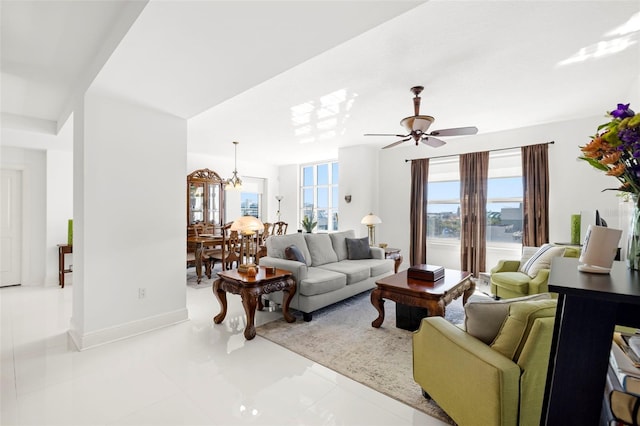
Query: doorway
[10,228]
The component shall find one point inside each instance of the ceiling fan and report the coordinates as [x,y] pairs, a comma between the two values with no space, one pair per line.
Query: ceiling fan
[418,125]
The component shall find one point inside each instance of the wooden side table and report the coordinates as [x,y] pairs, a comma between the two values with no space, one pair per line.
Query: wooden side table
[62,250]
[250,289]
[393,253]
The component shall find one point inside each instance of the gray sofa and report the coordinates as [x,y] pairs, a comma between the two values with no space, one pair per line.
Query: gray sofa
[327,274]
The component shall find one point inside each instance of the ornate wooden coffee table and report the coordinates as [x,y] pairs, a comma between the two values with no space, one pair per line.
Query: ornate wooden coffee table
[250,289]
[432,295]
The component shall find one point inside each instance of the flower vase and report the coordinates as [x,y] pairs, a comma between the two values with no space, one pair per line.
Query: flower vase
[633,247]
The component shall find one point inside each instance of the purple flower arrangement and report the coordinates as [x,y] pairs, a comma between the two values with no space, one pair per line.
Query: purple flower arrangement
[615,149]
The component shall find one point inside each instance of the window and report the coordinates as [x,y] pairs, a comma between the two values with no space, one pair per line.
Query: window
[319,195]
[250,204]
[504,198]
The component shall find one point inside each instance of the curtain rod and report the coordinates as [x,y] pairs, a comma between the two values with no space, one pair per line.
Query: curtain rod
[490,150]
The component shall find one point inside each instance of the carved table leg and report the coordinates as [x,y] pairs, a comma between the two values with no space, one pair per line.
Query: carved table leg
[249,301]
[436,308]
[222,298]
[378,302]
[468,292]
[288,295]
[198,255]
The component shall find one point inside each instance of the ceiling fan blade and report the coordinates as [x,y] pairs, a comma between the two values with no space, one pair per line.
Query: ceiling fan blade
[385,134]
[396,143]
[456,131]
[431,141]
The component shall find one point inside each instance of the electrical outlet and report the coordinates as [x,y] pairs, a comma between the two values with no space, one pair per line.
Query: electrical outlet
[142,293]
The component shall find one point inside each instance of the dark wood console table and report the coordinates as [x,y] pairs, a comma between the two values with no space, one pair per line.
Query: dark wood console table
[589,307]
[62,250]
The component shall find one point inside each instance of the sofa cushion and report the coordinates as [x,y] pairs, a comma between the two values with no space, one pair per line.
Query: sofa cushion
[358,248]
[516,281]
[276,244]
[483,315]
[321,249]
[320,281]
[376,266]
[541,259]
[292,252]
[515,329]
[338,240]
[354,271]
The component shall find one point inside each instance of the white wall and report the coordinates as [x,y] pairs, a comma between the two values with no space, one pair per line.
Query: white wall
[129,233]
[574,186]
[59,210]
[289,188]
[359,178]
[32,163]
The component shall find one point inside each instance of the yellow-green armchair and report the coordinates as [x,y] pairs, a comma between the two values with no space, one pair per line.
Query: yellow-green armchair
[530,274]
[501,384]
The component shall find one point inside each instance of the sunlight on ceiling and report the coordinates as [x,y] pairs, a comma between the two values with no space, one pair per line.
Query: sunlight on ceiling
[616,40]
[323,118]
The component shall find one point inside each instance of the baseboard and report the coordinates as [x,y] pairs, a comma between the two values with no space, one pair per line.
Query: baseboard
[124,331]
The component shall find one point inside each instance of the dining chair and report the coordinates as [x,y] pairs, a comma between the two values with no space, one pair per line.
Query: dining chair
[279,228]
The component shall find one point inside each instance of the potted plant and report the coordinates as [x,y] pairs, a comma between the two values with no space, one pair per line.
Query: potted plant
[308,224]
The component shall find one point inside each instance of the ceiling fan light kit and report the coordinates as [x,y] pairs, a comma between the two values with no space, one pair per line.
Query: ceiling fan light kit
[417,125]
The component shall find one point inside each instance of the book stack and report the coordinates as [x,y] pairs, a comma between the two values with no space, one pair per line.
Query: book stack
[625,360]
[622,389]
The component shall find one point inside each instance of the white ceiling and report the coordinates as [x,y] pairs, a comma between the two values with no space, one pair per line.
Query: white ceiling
[295,80]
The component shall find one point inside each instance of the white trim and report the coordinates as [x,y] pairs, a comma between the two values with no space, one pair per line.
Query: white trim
[124,331]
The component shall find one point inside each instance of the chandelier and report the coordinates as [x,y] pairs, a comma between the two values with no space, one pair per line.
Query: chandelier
[235,182]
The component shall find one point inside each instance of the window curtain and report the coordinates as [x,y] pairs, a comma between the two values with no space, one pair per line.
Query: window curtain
[474,170]
[535,208]
[418,211]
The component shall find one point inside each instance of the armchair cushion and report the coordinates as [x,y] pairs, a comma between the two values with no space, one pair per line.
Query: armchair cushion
[541,259]
[484,316]
[516,327]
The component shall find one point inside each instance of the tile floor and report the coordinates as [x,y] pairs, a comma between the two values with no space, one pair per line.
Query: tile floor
[193,373]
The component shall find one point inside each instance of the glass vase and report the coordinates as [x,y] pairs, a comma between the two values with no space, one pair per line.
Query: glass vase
[633,247]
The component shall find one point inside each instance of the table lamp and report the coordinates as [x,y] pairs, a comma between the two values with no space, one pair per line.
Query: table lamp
[599,249]
[371,221]
[246,227]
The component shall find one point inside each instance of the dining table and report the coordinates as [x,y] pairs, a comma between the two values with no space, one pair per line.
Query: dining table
[200,242]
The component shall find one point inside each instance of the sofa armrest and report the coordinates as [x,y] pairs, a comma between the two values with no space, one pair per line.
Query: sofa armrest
[377,253]
[540,283]
[506,266]
[298,269]
[470,381]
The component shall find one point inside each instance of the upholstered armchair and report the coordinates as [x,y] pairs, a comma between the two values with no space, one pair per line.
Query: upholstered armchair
[501,382]
[530,274]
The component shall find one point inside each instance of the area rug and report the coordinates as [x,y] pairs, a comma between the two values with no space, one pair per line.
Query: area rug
[341,338]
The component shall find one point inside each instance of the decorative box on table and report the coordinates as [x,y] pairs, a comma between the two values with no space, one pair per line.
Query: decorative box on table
[425,272]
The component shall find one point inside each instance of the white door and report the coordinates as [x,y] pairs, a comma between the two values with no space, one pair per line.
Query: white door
[10,227]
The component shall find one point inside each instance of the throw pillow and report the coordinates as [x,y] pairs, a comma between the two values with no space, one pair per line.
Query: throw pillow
[293,253]
[541,259]
[320,248]
[483,315]
[516,327]
[358,248]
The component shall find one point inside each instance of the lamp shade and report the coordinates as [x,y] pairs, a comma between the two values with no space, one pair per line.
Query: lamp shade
[599,249]
[417,122]
[370,219]
[247,224]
